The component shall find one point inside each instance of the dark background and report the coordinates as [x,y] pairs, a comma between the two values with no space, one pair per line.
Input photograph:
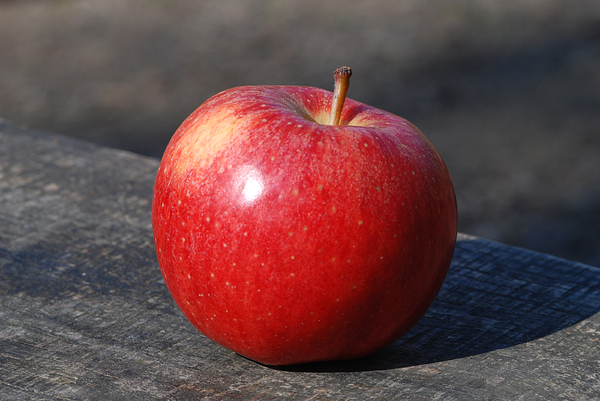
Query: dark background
[508,91]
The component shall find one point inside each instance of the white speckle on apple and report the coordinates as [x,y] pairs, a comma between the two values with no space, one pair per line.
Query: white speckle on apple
[264,120]
[222,169]
[208,219]
[360,222]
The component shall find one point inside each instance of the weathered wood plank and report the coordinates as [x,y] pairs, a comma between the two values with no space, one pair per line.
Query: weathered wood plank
[84,313]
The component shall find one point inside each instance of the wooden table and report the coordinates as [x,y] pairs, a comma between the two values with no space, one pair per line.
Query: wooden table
[85,314]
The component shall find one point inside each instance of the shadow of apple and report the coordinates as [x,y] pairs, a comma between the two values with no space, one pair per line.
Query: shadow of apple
[495,296]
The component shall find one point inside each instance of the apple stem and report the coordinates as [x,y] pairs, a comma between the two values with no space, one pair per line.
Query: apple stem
[341,77]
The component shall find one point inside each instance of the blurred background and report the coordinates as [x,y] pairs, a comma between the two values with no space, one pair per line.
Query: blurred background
[507,90]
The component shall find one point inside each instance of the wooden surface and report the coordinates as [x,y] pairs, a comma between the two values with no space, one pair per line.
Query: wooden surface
[85,314]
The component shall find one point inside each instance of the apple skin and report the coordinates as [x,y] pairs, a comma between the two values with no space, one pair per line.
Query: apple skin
[288,240]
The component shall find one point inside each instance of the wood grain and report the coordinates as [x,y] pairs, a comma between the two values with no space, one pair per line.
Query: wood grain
[84,313]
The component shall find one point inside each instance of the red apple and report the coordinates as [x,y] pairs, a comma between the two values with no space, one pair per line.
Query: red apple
[288,238]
